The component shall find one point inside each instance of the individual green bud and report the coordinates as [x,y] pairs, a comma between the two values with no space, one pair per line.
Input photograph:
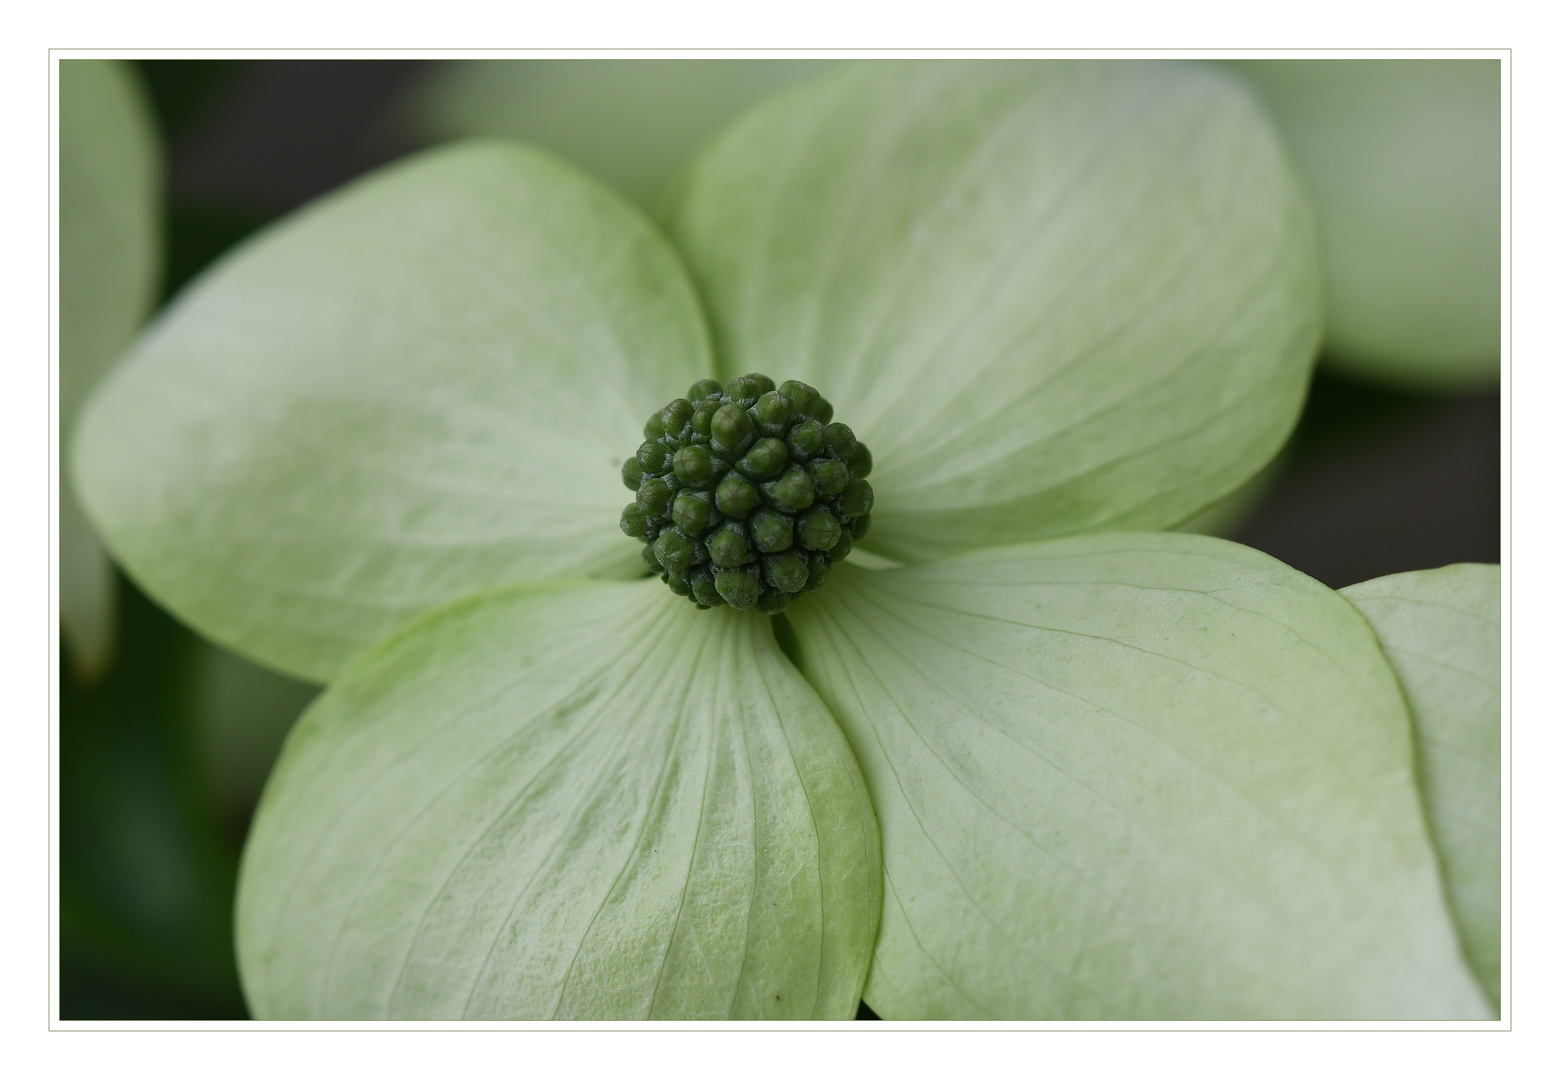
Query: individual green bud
[701,581]
[691,512]
[773,413]
[728,546]
[653,428]
[805,440]
[764,459]
[647,553]
[828,475]
[765,383]
[770,531]
[793,491]
[840,441]
[818,529]
[843,548]
[634,522]
[738,588]
[802,398]
[823,411]
[744,390]
[674,551]
[817,571]
[786,571]
[675,415]
[652,457]
[730,427]
[633,472]
[735,497]
[655,494]
[704,388]
[772,602]
[861,462]
[856,499]
[700,423]
[859,527]
[691,464]
[678,582]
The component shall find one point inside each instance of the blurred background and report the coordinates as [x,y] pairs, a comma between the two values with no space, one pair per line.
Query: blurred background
[165,740]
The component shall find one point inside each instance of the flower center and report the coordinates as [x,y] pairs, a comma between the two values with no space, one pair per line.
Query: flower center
[745,494]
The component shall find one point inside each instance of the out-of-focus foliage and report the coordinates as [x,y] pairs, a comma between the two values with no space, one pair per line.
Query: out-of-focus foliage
[109,261]
[161,762]
[1403,157]
[162,758]
[242,714]
[146,870]
[633,123]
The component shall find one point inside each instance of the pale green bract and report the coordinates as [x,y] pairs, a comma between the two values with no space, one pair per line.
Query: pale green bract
[630,123]
[564,798]
[422,385]
[110,258]
[1441,631]
[1052,298]
[639,809]
[1134,776]
[1404,159]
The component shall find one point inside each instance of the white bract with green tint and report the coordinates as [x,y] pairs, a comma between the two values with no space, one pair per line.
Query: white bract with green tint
[1019,291]
[631,123]
[1441,630]
[109,261]
[1145,770]
[654,816]
[1403,157]
[1113,774]
[417,410]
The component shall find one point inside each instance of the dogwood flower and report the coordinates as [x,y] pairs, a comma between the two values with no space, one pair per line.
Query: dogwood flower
[1032,758]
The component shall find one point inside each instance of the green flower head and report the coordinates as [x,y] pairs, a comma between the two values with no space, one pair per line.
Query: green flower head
[1021,755]
[746,494]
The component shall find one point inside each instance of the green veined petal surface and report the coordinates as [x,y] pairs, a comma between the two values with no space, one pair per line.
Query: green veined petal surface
[1054,297]
[1441,631]
[417,388]
[587,801]
[1152,776]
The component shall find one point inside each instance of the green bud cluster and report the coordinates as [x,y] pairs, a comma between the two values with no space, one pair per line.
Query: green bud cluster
[744,494]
